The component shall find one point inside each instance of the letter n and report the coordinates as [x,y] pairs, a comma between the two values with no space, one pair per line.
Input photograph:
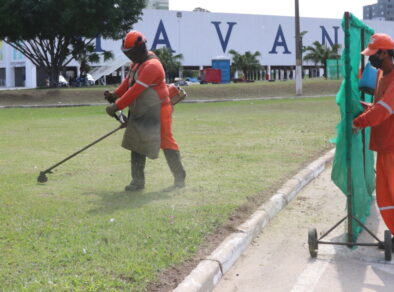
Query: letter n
[325,36]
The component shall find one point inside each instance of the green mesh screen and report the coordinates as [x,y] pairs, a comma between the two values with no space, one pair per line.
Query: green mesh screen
[353,174]
[334,69]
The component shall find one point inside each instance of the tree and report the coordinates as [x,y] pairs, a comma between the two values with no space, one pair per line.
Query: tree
[247,62]
[86,54]
[319,53]
[171,63]
[51,33]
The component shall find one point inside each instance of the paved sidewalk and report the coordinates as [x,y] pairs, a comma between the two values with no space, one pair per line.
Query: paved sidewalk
[278,259]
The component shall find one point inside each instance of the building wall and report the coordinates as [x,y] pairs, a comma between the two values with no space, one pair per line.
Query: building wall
[16,69]
[157,4]
[203,36]
[383,10]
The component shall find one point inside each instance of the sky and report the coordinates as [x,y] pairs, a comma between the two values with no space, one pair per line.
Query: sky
[308,8]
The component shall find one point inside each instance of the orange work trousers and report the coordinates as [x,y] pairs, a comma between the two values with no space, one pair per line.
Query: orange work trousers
[167,140]
[385,187]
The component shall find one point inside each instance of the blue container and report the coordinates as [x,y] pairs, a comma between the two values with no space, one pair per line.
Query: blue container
[368,79]
[222,63]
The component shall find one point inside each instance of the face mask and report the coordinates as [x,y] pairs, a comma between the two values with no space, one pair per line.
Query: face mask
[375,61]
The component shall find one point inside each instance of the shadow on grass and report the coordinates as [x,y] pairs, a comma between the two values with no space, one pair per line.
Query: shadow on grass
[113,201]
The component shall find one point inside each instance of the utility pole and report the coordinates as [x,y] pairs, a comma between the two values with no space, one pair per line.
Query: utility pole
[298,47]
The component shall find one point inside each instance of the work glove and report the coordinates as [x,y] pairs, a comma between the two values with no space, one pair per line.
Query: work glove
[111,110]
[109,96]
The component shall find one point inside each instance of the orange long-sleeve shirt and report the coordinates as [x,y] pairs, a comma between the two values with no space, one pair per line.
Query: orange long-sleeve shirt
[149,74]
[380,115]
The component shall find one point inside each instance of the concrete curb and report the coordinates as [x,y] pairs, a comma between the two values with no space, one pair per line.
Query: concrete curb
[209,271]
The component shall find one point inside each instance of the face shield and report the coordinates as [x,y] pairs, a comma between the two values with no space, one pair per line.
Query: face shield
[137,53]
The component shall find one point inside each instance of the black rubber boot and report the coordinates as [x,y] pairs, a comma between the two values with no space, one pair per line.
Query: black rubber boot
[392,246]
[173,158]
[137,172]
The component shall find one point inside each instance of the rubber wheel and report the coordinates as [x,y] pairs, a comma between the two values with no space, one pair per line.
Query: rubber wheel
[388,245]
[312,242]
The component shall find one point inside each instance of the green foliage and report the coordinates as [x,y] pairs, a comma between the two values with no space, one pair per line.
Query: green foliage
[86,54]
[171,63]
[319,53]
[247,62]
[81,232]
[48,32]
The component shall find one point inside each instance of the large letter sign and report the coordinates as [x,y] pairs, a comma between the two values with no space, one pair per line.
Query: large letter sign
[279,42]
[325,36]
[224,42]
[161,41]
[98,45]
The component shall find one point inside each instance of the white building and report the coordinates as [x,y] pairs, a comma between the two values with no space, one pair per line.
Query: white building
[200,37]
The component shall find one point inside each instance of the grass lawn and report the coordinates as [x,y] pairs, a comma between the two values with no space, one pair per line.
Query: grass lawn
[81,232]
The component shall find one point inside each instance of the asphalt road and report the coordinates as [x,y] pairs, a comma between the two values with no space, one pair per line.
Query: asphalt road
[278,260]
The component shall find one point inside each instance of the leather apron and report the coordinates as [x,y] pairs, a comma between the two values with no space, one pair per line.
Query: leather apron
[142,133]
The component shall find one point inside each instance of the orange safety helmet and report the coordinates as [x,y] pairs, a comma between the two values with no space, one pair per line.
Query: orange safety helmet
[133,38]
[134,47]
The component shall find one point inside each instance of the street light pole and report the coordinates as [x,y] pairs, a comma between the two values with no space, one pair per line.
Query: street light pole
[298,73]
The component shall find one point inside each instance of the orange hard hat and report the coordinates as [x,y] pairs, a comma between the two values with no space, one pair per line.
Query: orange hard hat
[133,38]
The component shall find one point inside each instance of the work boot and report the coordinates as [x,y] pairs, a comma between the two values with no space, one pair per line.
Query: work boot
[392,246]
[173,158]
[137,172]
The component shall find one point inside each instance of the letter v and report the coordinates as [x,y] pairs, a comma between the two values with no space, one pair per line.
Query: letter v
[224,42]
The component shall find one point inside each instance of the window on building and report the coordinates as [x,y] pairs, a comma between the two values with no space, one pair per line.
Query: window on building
[16,55]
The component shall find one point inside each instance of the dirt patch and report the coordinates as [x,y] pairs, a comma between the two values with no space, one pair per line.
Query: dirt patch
[209,91]
[262,89]
[170,278]
[51,96]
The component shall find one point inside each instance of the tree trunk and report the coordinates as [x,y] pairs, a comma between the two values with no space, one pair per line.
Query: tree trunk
[325,70]
[53,74]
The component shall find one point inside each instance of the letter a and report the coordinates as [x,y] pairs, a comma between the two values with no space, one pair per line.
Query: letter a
[161,41]
[280,42]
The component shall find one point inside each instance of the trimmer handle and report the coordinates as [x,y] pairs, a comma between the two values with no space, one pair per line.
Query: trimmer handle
[121,118]
[119,115]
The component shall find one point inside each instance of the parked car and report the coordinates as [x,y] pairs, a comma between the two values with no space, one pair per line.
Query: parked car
[62,81]
[181,82]
[192,80]
[85,80]
[89,80]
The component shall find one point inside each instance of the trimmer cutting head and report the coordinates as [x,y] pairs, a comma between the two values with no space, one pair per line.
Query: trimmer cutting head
[42,178]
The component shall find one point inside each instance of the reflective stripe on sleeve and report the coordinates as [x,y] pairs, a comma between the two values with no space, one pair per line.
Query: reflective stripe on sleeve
[386,208]
[385,105]
[142,83]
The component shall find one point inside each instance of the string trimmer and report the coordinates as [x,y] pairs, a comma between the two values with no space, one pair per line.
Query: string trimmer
[42,178]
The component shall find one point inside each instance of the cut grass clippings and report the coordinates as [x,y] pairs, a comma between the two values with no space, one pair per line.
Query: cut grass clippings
[81,232]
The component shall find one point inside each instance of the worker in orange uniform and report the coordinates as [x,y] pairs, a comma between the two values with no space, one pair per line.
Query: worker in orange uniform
[145,92]
[379,116]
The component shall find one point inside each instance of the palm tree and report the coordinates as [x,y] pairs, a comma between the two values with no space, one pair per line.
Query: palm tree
[86,54]
[247,62]
[171,63]
[319,53]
